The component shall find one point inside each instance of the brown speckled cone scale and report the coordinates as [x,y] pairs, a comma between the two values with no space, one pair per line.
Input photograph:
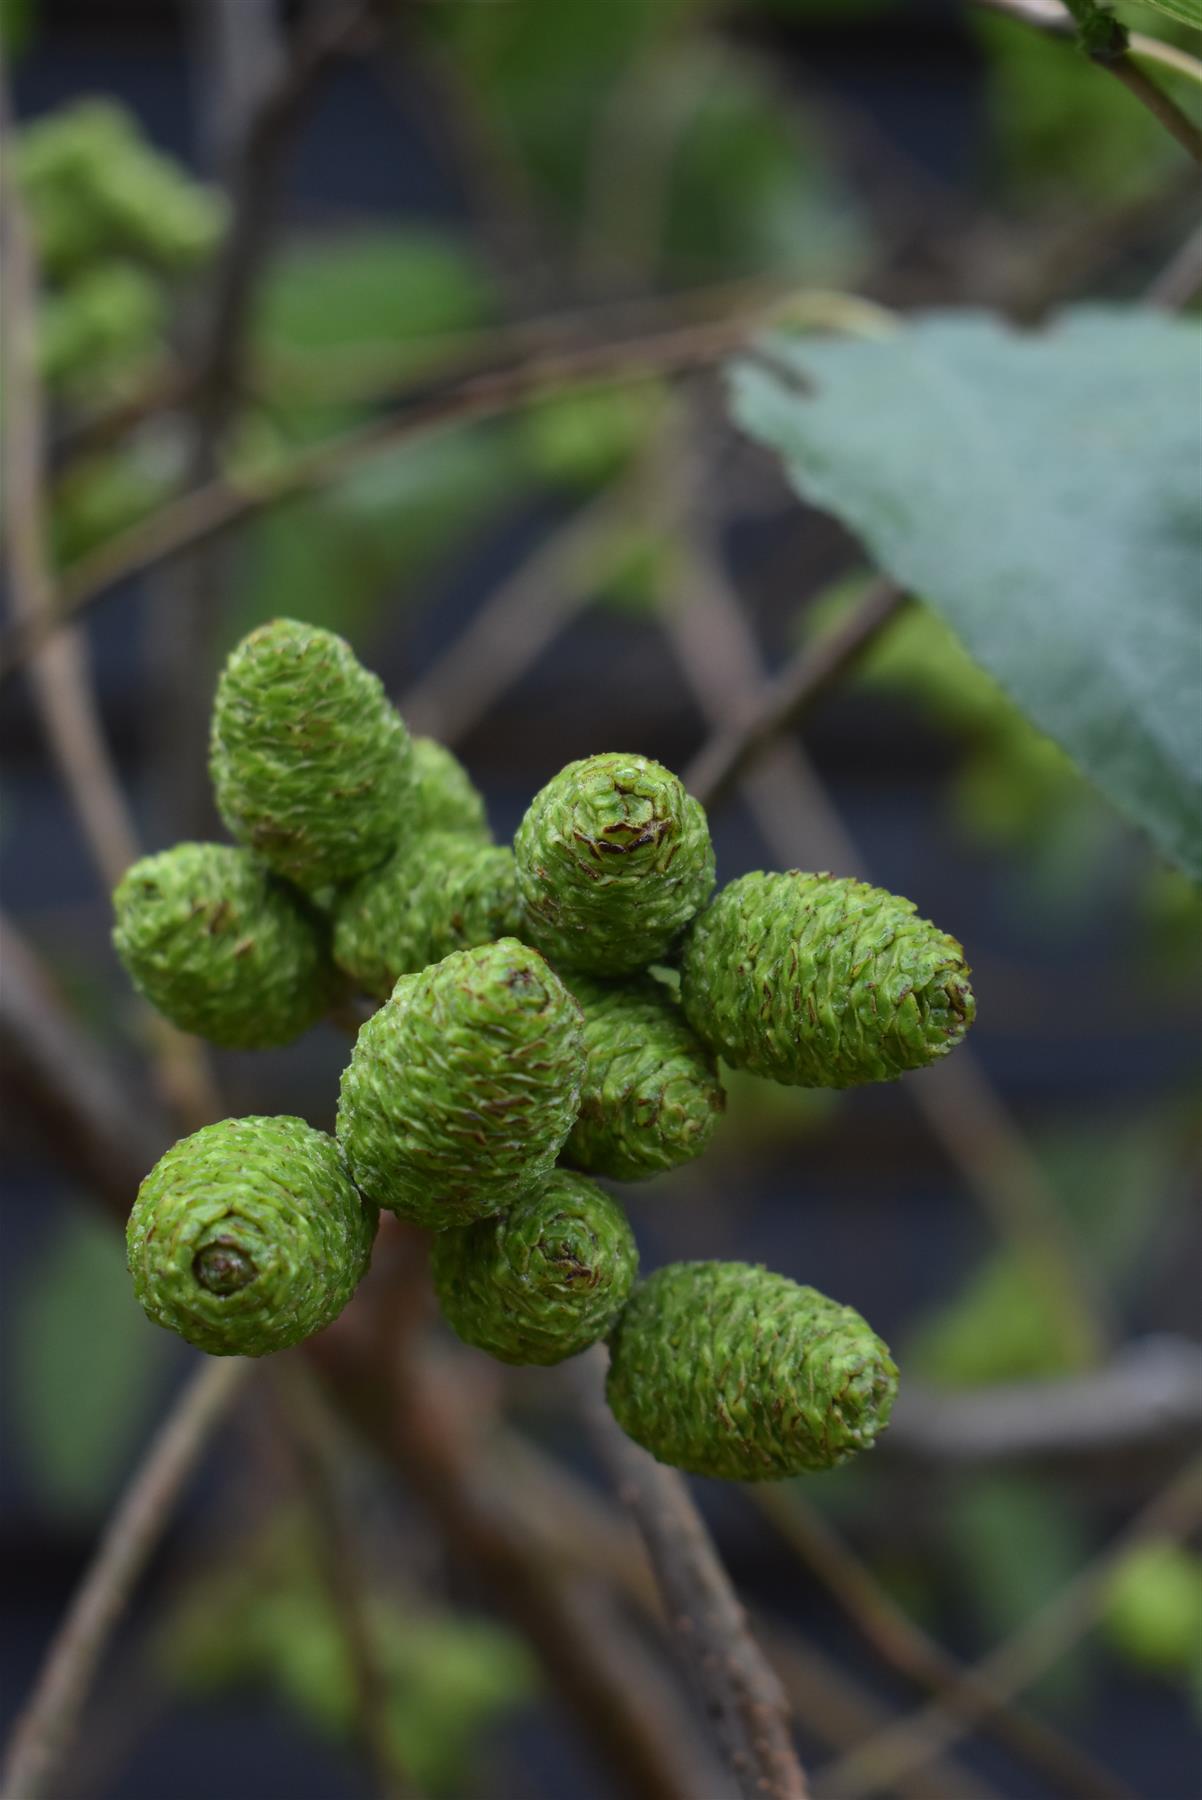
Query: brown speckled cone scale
[726,1369]
[462,1088]
[816,981]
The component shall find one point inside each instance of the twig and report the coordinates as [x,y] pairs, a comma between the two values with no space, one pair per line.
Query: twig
[1180,279]
[1117,58]
[631,1716]
[1146,1401]
[784,700]
[735,1686]
[45,1730]
[720,658]
[1018,1662]
[311,1434]
[65,1085]
[921,1658]
[59,674]
[219,505]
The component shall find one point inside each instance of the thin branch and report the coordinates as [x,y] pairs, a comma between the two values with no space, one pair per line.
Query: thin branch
[1181,278]
[735,1686]
[312,1436]
[220,505]
[1147,1401]
[66,1086]
[784,701]
[44,1733]
[1014,1665]
[60,674]
[921,1658]
[1057,21]
[631,1716]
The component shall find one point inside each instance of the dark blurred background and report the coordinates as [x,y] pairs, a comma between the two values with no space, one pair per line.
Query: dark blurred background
[473,182]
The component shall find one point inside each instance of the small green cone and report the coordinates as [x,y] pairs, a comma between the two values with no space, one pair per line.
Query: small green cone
[222,947]
[443,892]
[445,797]
[309,761]
[651,1096]
[249,1236]
[543,1282]
[725,1369]
[613,859]
[817,981]
[463,1087]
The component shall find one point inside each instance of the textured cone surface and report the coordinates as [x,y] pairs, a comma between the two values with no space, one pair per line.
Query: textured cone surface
[462,1088]
[543,1282]
[816,981]
[728,1370]
[309,761]
[651,1096]
[613,859]
[249,1236]
[222,947]
[446,891]
[444,795]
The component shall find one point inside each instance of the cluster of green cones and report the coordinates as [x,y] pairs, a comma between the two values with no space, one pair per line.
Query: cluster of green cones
[549,1013]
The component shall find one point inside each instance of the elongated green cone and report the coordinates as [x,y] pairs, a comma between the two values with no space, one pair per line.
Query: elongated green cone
[651,1096]
[249,1236]
[442,892]
[462,1088]
[725,1369]
[445,797]
[815,981]
[309,761]
[222,947]
[543,1282]
[613,859]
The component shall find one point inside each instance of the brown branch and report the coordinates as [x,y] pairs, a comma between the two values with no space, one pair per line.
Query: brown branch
[312,1437]
[1055,20]
[1181,278]
[220,505]
[632,1718]
[734,1684]
[921,1658]
[784,701]
[64,1085]
[1015,1664]
[60,674]
[44,1732]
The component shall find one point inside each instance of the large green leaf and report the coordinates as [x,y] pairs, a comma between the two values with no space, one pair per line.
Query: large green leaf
[1041,492]
[1186,12]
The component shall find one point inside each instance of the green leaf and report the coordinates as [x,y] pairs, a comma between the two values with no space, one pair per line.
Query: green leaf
[90,1375]
[1040,491]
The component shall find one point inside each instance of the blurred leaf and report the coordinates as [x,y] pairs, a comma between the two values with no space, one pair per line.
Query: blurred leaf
[1001,1326]
[1018,1541]
[1032,489]
[330,559]
[17,22]
[1153,1608]
[89,1373]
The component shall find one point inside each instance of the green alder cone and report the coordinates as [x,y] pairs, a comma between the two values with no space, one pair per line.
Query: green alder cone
[309,761]
[249,1236]
[651,1096]
[447,891]
[543,1282]
[728,1370]
[445,797]
[613,859]
[222,947]
[818,981]
[463,1087]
